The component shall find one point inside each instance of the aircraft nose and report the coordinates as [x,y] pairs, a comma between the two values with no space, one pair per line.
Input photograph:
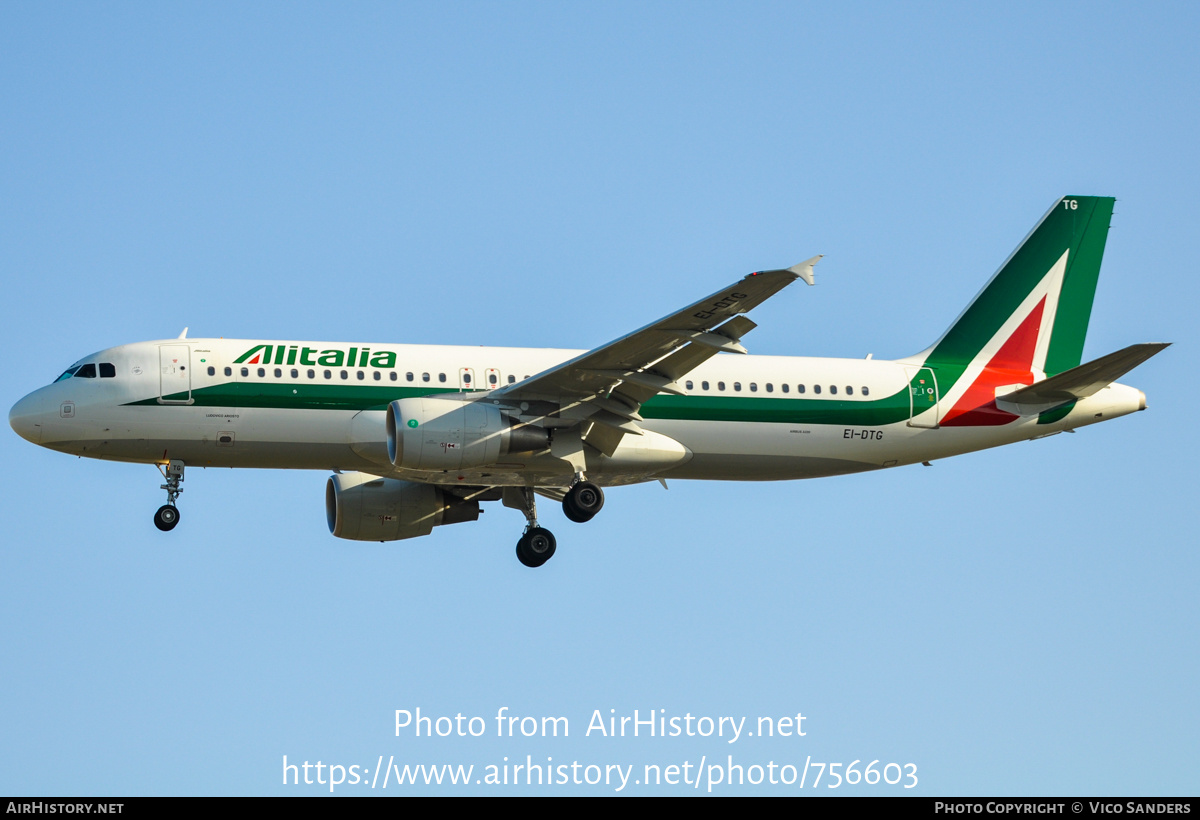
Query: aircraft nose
[26,418]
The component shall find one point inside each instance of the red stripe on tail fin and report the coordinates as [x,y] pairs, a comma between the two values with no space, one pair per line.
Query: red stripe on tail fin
[1010,365]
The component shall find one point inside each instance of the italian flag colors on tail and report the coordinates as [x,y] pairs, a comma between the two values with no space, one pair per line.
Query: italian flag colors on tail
[1030,320]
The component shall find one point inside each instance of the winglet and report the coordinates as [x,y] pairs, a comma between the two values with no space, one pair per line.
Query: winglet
[805,269]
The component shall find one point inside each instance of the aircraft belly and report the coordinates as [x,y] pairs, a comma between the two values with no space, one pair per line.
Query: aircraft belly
[733,467]
[216,437]
[763,451]
[273,438]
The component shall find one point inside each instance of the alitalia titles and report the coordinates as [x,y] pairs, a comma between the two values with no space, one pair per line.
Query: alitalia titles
[296,354]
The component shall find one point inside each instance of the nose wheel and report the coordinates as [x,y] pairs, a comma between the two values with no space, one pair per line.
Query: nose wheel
[167,515]
[166,518]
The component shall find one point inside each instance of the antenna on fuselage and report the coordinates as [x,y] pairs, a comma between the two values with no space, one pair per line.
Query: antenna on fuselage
[183,335]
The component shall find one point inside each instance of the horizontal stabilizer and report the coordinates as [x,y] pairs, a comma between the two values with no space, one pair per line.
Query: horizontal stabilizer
[1078,382]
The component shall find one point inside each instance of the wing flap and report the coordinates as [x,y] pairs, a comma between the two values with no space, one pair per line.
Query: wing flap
[604,438]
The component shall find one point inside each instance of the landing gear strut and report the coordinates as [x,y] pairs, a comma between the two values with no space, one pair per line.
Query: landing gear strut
[536,546]
[168,514]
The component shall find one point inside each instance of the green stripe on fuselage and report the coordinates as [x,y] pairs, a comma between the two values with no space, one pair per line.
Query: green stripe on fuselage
[301,396]
[887,410]
[298,396]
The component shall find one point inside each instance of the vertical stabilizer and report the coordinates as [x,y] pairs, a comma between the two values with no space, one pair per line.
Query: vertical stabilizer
[1031,318]
[1033,313]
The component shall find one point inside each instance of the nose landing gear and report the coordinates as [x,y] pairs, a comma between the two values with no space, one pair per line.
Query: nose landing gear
[167,515]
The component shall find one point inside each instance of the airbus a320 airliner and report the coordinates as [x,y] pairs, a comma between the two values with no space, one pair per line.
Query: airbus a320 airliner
[419,436]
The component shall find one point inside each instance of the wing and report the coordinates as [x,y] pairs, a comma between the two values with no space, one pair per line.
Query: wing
[603,388]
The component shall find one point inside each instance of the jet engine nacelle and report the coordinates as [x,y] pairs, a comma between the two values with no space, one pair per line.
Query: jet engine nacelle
[429,433]
[365,507]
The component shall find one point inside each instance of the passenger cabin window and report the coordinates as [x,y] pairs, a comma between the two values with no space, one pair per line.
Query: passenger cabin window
[312,374]
[212,371]
[817,389]
[424,377]
[245,371]
[688,384]
[799,388]
[753,387]
[783,387]
[377,375]
[442,378]
[344,375]
[262,372]
[833,389]
[849,390]
[229,371]
[493,379]
[466,378]
[329,374]
[770,387]
[408,377]
[737,387]
[720,385]
[278,373]
[866,392]
[512,379]
[360,375]
[393,375]
[295,373]
[703,385]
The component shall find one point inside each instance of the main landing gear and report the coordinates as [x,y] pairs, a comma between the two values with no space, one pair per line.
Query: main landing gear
[536,546]
[168,514]
[582,501]
[580,504]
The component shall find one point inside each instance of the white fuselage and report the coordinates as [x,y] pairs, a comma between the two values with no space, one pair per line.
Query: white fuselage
[298,405]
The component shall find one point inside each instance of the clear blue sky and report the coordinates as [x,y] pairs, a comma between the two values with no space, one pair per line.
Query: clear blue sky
[1020,621]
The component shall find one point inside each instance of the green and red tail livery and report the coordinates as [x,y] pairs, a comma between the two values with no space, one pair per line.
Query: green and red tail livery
[1030,320]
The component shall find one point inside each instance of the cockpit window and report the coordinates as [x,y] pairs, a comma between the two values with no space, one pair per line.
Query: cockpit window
[88,371]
